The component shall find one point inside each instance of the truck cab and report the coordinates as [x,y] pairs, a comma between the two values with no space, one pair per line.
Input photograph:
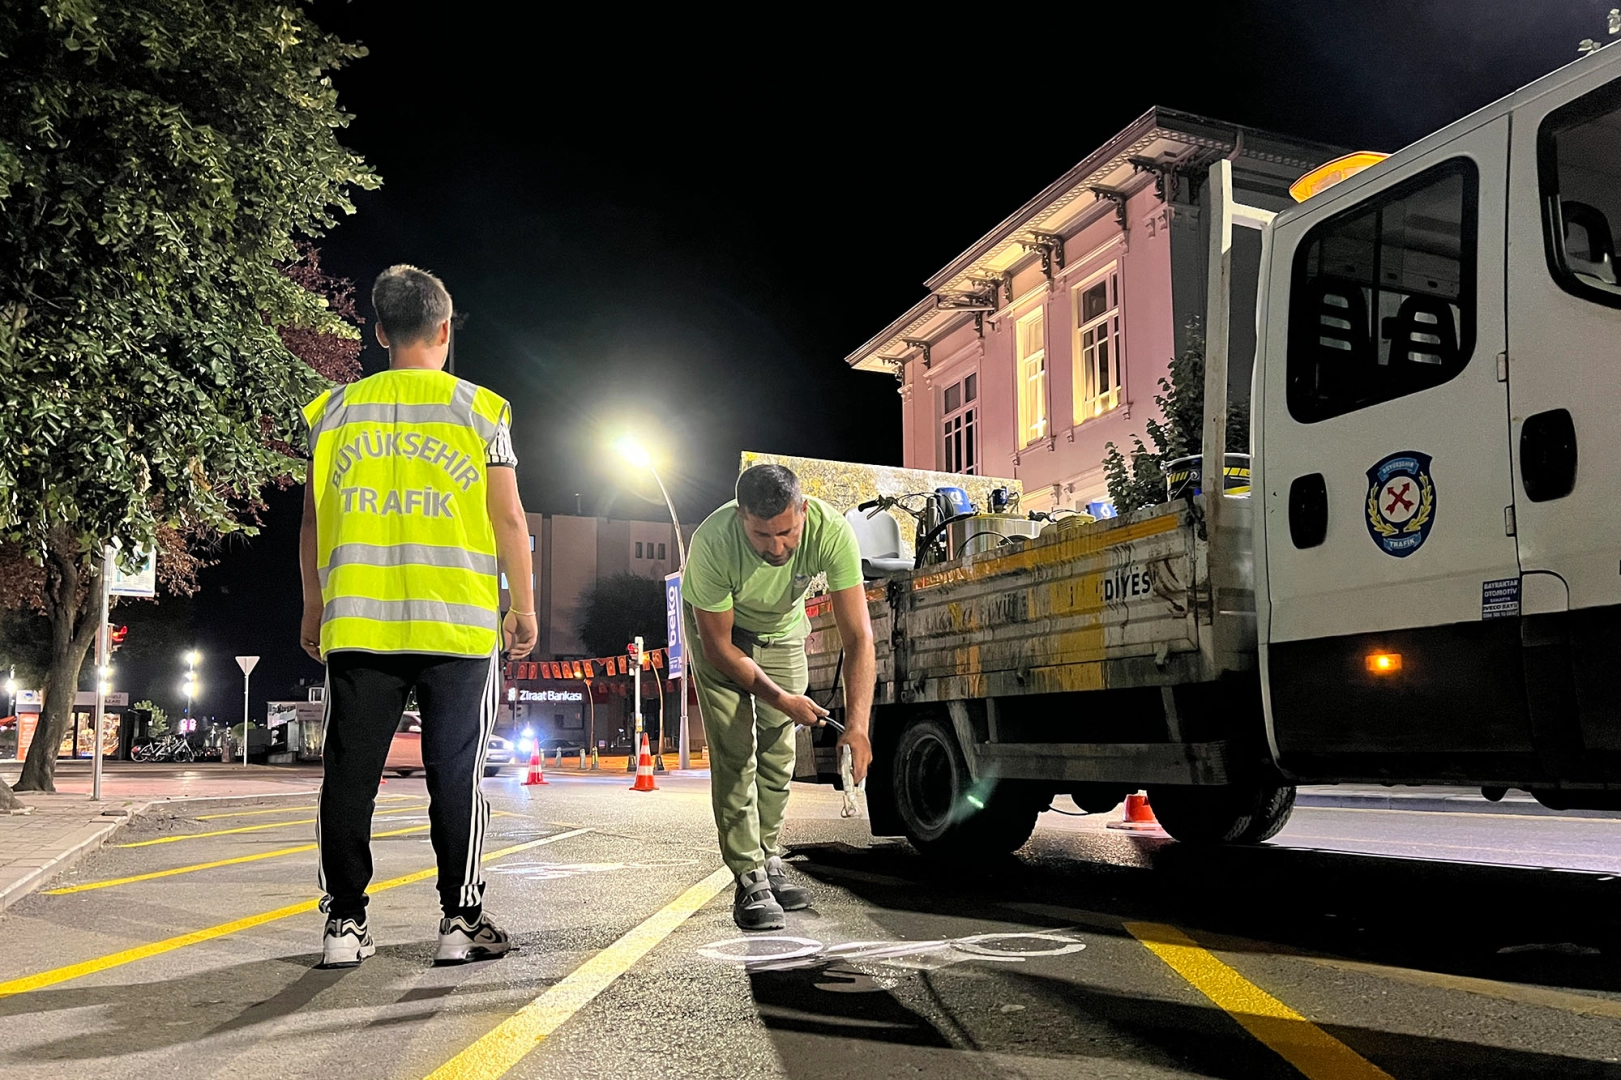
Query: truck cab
[1435,390]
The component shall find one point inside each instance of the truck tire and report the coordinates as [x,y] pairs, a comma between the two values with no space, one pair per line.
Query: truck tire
[1246,814]
[940,811]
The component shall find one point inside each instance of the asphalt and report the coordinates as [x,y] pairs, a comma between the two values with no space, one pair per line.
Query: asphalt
[1418,944]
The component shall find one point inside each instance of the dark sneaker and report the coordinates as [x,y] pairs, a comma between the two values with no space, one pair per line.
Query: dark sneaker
[461,941]
[754,907]
[346,943]
[790,896]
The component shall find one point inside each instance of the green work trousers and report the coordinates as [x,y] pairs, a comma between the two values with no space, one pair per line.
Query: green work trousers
[751,748]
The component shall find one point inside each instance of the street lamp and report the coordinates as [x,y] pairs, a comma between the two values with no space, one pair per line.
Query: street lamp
[190,686]
[636,454]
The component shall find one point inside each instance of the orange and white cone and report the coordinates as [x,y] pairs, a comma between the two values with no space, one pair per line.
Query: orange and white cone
[1139,817]
[536,774]
[644,769]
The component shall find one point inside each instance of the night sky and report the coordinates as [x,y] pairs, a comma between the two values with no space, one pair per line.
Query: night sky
[682,226]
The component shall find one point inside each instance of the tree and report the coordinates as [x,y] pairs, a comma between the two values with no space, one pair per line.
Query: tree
[617,608]
[159,162]
[1141,481]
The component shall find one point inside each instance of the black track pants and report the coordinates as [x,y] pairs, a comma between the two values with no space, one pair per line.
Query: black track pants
[365,699]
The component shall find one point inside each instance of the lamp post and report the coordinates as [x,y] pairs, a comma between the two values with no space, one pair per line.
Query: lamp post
[635,453]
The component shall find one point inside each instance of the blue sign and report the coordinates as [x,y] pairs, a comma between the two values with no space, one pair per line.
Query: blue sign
[672,623]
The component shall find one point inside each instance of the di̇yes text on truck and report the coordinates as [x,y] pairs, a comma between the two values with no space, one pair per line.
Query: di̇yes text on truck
[1424,586]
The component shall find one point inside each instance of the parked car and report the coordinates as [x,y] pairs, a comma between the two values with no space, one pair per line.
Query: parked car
[405,751]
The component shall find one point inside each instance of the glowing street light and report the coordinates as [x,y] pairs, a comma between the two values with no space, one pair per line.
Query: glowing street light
[190,686]
[637,456]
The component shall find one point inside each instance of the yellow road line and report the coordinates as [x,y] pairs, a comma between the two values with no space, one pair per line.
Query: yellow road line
[88,886]
[252,828]
[194,867]
[508,1043]
[1316,1053]
[156,948]
[291,809]
[252,813]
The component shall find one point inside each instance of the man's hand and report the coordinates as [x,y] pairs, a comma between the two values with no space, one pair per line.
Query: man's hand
[802,710]
[521,632]
[309,632]
[860,752]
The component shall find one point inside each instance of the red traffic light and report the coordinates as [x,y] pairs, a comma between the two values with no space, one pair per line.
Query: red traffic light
[116,635]
[630,651]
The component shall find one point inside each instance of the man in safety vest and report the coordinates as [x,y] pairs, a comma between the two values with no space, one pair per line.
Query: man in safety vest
[751,563]
[410,513]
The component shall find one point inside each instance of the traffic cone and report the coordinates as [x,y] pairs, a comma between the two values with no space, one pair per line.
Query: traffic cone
[644,770]
[536,774]
[1138,817]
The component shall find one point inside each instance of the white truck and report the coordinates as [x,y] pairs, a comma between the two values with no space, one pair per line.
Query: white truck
[1424,586]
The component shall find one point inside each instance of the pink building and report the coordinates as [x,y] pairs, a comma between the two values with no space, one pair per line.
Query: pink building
[1047,338]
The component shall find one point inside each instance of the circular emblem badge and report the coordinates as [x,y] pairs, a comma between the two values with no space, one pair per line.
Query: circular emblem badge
[1401,503]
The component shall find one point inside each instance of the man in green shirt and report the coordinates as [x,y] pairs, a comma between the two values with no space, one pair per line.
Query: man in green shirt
[750,565]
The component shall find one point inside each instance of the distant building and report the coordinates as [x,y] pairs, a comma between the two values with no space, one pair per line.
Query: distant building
[1047,338]
[571,553]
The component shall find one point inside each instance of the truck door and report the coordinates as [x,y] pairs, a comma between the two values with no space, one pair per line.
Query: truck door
[1385,467]
[1564,379]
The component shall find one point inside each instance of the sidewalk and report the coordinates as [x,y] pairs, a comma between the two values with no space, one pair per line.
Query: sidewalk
[1446,800]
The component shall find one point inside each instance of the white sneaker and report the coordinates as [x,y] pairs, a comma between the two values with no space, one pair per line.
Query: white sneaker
[461,941]
[347,942]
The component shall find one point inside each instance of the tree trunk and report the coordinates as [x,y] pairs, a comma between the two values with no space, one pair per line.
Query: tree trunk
[72,632]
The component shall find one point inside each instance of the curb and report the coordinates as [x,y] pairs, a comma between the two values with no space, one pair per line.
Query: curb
[38,876]
[1442,804]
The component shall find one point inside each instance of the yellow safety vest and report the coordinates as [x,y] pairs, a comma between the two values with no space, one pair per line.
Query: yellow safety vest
[405,549]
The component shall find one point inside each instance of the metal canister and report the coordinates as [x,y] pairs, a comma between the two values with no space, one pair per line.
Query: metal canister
[984,532]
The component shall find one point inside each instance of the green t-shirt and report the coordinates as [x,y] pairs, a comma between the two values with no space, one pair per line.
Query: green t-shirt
[724,572]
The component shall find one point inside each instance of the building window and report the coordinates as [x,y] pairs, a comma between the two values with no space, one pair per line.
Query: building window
[1097,345]
[638,549]
[531,541]
[1032,374]
[1382,304]
[661,551]
[959,407]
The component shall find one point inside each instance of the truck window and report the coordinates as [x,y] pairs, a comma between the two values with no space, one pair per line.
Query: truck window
[1579,167]
[1382,299]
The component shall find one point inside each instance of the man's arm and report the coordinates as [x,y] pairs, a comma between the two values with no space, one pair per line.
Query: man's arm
[309,630]
[715,630]
[520,630]
[860,672]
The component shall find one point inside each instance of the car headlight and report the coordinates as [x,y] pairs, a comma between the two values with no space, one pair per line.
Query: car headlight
[526,745]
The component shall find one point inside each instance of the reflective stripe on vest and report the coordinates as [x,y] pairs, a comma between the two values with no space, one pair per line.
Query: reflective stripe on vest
[406,553]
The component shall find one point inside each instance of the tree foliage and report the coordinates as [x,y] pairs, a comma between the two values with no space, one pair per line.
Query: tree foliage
[160,161]
[1140,481]
[615,609]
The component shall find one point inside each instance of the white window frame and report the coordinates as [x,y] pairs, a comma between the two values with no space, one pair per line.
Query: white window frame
[965,420]
[1090,403]
[1030,374]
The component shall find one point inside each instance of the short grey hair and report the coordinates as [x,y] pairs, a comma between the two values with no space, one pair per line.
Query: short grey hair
[409,303]
[767,490]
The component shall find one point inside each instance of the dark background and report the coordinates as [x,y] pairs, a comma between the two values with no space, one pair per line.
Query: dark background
[679,225]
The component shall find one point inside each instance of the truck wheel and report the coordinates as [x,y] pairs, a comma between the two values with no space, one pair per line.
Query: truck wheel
[941,811]
[1222,815]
